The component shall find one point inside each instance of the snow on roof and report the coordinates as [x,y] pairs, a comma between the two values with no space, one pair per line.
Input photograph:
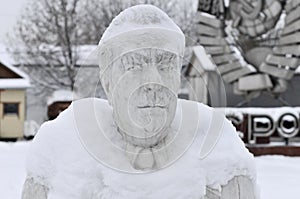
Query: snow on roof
[14,69]
[61,96]
[12,83]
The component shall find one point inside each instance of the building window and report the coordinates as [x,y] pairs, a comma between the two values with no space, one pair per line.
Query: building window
[10,108]
[183,96]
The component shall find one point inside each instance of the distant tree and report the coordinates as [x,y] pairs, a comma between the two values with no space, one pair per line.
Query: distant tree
[95,16]
[181,11]
[99,14]
[50,32]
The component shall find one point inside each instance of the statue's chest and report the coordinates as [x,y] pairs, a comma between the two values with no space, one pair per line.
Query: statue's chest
[181,180]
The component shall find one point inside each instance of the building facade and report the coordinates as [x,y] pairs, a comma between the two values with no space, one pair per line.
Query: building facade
[13,85]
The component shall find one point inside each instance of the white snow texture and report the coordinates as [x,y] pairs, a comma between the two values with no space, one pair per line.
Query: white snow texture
[58,160]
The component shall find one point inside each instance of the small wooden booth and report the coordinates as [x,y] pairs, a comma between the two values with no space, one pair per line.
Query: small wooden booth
[58,102]
[13,84]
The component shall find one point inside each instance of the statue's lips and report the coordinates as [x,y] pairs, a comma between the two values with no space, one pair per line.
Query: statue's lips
[151,106]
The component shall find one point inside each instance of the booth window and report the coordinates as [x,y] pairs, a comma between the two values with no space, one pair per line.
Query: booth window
[11,108]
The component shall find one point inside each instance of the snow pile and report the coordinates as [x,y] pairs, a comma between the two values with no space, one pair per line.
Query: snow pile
[12,169]
[181,180]
[61,96]
[14,83]
[58,155]
[278,176]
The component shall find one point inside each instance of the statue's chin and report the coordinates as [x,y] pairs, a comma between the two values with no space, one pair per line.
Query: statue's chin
[147,128]
[147,141]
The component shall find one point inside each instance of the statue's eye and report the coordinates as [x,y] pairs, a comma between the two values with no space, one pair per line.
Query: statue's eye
[165,67]
[133,67]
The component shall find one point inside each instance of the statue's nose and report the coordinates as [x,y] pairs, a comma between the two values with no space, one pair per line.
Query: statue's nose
[150,87]
[151,93]
[152,76]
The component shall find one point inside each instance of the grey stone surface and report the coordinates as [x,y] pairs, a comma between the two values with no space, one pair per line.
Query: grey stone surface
[292,62]
[210,31]
[281,86]
[227,67]
[218,50]
[34,190]
[210,21]
[225,58]
[236,74]
[289,39]
[293,15]
[290,50]
[239,187]
[204,40]
[254,82]
[276,71]
[290,28]
[291,94]
[291,4]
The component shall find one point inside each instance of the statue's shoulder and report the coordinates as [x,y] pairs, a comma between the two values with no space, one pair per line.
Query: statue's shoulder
[222,153]
[89,103]
[57,148]
[216,134]
[65,123]
[212,121]
[57,144]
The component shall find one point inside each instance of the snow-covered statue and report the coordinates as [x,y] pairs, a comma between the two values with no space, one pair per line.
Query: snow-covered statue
[142,142]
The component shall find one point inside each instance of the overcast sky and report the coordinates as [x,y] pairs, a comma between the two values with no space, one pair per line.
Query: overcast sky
[9,12]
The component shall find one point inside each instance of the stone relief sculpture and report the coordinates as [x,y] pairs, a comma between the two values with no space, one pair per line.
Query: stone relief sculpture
[142,142]
[264,32]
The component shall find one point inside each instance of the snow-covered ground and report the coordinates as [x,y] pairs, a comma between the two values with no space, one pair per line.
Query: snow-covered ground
[278,176]
[12,169]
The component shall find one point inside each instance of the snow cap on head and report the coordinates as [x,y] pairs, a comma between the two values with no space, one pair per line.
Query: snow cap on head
[141,26]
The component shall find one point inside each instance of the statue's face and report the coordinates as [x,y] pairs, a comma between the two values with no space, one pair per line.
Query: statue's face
[143,93]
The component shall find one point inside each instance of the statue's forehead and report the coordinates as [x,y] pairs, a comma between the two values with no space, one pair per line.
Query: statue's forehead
[149,55]
[148,52]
